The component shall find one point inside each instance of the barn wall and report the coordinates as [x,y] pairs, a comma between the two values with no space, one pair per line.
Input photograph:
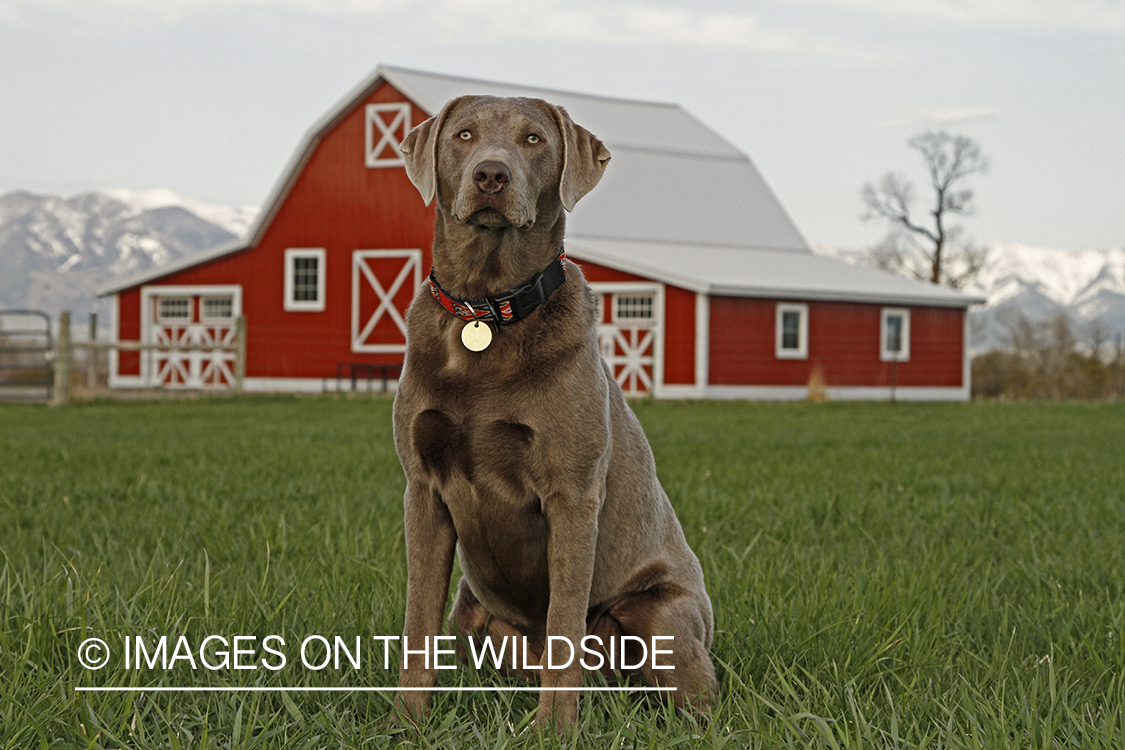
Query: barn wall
[129,329]
[843,342]
[336,203]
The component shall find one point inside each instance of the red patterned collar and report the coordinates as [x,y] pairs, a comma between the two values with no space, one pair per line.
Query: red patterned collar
[510,306]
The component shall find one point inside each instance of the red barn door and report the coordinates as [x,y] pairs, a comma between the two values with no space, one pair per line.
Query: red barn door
[383,284]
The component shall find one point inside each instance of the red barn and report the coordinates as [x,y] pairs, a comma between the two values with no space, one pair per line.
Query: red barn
[707,288]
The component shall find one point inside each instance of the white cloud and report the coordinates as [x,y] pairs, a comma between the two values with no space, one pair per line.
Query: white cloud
[613,22]
[939,117]
[136,12]
[638,24]
[1099,15]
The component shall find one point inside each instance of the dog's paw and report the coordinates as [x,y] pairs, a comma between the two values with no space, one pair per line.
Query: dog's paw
[410,708]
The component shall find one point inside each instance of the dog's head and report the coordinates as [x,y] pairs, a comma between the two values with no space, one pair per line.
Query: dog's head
[499,163]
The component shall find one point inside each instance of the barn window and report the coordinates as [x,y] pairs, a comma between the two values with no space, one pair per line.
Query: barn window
[895,335]
[634,308]
[792,336]
[174,308]
[217,308]
[387,126]
[304,279]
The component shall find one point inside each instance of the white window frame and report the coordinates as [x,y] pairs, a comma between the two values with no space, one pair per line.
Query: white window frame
[204,317]
[802,349]
[885,354]
[162,318]
[619,320]
[291,256]
[382,138]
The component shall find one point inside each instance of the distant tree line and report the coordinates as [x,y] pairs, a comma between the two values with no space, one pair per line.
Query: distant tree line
[1049,359]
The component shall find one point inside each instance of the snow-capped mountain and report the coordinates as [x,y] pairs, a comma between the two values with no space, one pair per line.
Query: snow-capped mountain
[1086,285]
[235,220]
[55,252]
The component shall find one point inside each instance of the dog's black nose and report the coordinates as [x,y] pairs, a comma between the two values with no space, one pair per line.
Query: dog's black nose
[492,176]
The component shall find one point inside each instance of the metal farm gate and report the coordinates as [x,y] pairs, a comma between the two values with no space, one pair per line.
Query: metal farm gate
[26,355]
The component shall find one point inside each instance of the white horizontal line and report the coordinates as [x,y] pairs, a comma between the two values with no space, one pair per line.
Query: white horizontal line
[165,689]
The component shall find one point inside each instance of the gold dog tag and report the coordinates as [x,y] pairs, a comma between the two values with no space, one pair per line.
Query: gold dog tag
[476,336]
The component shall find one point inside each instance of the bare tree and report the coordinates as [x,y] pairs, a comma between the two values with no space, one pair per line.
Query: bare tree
[929,249]
[1097,336]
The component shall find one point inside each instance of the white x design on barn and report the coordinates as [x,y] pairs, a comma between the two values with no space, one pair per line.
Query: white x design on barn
[411,270]
[385,151]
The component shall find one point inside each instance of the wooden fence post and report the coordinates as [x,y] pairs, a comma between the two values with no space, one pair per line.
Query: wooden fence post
[92,356]
[239,352]
[60,395]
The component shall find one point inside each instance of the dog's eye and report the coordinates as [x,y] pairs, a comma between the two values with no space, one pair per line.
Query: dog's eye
[533,138]
[466,134]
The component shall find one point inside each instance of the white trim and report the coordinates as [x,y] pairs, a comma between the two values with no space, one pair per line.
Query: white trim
[256,385]
[124,381]
[702,342]
[844,393]
[654,327]
[389,136]
[295,385]
[885,354]
[679,392]
[385,296]
[802,350]
[292,254]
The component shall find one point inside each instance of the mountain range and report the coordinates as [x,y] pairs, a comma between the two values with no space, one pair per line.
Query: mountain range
[55,252]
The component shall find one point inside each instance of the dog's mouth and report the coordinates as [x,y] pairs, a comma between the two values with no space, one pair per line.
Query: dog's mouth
[493,218]
[489,217]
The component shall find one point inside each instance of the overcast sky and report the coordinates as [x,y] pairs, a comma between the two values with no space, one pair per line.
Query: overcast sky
[211,97]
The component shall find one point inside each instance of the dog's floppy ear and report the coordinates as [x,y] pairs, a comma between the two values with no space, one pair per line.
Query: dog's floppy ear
[419,151]
[584,159]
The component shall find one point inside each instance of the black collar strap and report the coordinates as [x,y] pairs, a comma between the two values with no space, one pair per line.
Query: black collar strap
[511,306]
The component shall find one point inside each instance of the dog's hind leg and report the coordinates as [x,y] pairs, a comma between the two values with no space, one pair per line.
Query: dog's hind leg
[677,623]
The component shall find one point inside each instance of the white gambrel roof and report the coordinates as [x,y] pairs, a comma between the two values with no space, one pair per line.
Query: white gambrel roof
[671,177]
[678,203]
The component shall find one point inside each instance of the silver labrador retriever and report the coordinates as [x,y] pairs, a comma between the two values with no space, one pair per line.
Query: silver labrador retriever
[518,446]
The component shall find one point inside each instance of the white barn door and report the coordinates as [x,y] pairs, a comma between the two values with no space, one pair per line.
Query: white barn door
[196,316]
[631,334]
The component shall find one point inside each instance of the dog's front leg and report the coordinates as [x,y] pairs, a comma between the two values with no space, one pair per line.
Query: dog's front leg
[430,543]
[572,540]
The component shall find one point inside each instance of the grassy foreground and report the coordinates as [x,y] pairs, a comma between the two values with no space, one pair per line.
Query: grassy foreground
[901,576]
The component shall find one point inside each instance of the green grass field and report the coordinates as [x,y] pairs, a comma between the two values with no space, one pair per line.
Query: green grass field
[939,576]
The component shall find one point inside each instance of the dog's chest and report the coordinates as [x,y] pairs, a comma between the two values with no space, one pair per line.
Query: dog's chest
[495,452]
